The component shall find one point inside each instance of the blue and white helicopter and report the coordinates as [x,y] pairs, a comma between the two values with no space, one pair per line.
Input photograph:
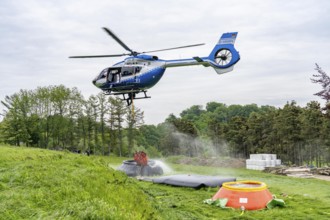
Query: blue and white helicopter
[140,71]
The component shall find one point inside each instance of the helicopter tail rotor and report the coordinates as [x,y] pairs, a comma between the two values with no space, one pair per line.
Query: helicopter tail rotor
[224,55]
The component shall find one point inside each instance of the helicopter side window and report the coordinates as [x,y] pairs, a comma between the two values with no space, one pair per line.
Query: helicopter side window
[128,71]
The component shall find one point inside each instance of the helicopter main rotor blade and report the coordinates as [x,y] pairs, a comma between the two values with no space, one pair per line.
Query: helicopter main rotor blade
[100,56]
[118,40]
[174,48]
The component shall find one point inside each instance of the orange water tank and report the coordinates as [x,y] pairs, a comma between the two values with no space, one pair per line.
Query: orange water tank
[252,195]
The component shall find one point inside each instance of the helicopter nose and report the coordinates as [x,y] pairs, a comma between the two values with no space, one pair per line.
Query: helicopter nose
[94,81]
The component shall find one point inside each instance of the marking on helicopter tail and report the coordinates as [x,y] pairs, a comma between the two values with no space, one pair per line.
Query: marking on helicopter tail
[227,41]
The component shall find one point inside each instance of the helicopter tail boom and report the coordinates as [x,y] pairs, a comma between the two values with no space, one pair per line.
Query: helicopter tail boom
[222,58]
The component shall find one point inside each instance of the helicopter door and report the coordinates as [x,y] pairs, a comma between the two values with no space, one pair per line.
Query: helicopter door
[114,75]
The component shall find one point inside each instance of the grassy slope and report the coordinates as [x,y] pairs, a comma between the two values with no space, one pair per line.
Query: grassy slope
[41,184]
[51,185]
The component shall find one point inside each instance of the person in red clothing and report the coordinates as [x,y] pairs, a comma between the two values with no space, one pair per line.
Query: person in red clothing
[141,158]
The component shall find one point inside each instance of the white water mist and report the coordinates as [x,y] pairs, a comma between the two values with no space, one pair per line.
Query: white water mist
[166,168]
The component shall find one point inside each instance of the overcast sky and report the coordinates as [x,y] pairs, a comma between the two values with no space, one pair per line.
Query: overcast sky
[279,42]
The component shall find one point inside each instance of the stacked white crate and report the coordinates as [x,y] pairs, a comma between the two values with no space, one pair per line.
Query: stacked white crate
[260,161]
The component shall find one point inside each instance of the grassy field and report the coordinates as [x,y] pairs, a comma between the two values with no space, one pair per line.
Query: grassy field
[42,184]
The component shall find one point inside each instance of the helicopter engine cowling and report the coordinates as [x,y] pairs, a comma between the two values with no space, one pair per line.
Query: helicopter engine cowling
[147,57]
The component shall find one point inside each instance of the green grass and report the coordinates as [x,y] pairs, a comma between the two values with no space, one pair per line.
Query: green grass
[305,198]
[42,184]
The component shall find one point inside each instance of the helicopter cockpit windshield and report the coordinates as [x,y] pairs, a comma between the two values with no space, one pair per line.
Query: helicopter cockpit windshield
[111,74]
[101,77]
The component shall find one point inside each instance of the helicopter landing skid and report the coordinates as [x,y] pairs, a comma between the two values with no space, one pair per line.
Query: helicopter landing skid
[132,96]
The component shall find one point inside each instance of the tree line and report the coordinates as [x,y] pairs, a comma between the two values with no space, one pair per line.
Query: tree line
[298,135]
[56,117]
